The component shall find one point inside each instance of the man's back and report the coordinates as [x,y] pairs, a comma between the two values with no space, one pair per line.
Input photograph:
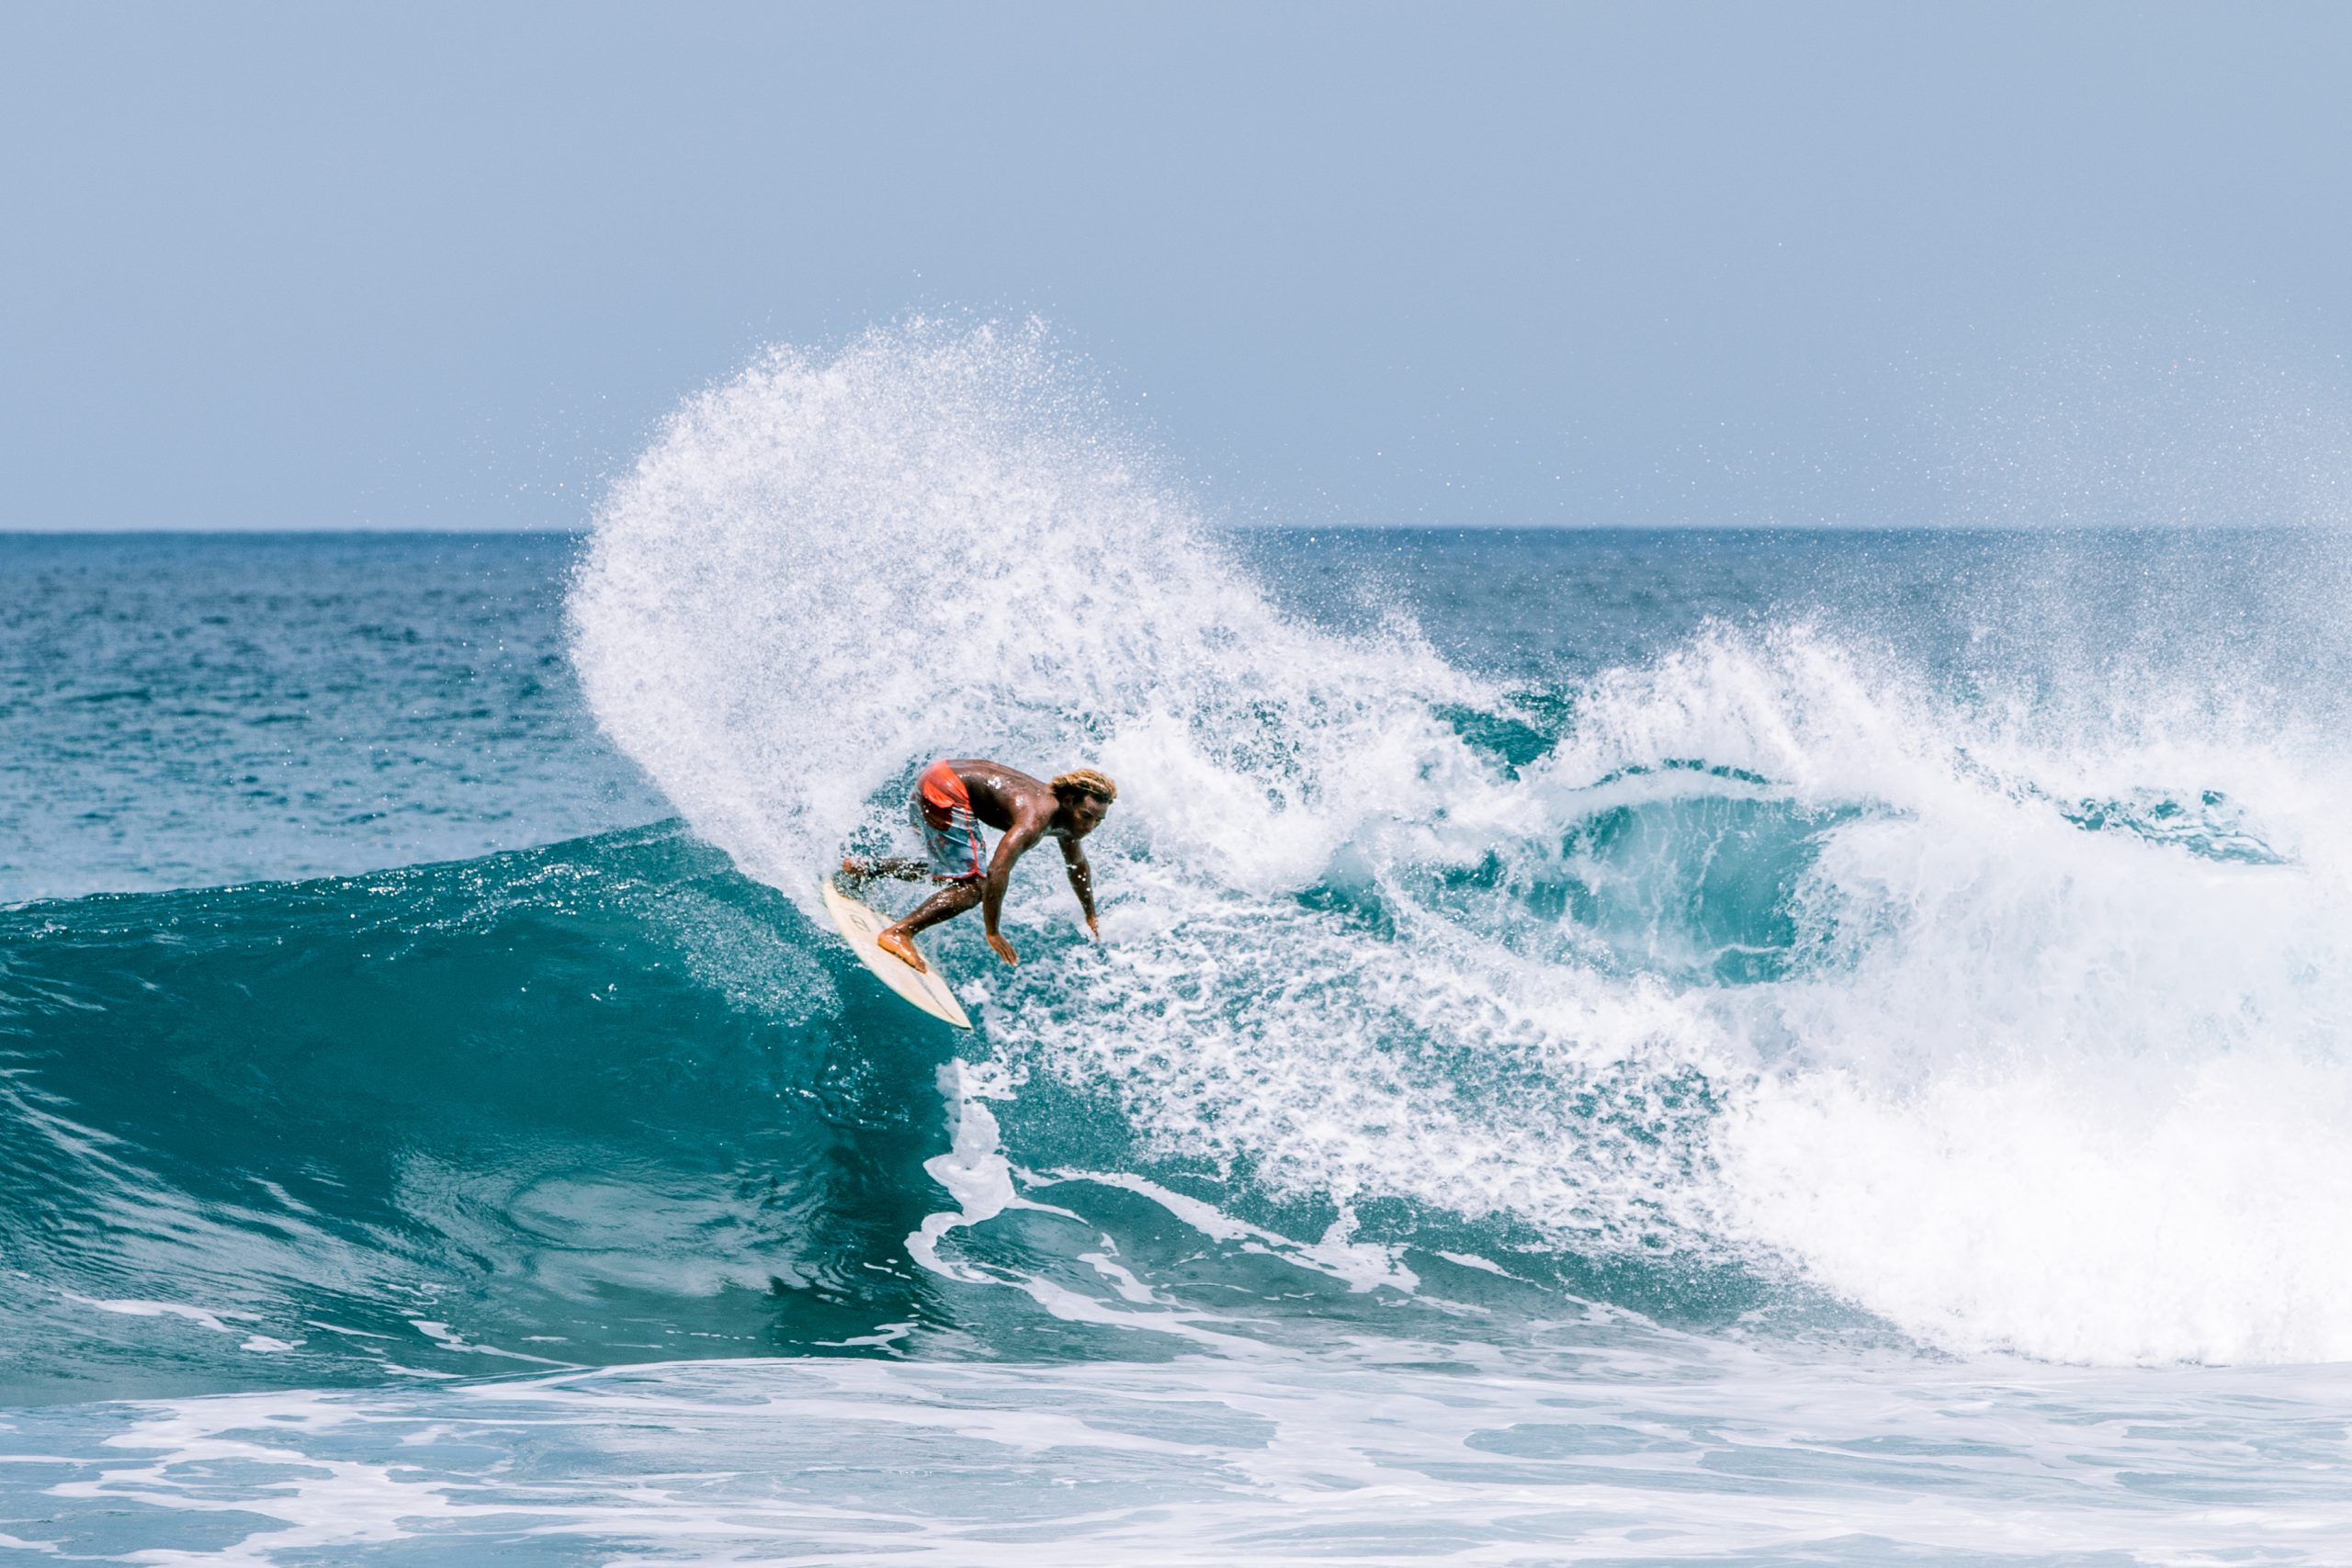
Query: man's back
[1003,797]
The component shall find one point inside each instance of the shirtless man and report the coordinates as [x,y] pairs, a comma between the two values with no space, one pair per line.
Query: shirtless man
[950,802]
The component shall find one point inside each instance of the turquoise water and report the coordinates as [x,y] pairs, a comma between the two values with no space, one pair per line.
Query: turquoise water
[188,713]
[1721,1048]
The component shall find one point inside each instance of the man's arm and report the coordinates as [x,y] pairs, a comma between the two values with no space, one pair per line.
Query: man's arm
[1009,848]
[1082,882]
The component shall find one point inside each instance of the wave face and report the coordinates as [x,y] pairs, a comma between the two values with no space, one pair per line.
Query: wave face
[589,1104]
[1977,962]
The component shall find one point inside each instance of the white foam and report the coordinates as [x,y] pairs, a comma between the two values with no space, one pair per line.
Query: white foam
[973,1170]
[132,1308]
[1471,1260]
[1403,1452]
[979,1178]
[1361,1266]
[219,1322]
[2073,1093]
[441,1334]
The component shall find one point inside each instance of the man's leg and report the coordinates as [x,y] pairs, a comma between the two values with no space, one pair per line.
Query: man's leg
[944,904]
[899,870]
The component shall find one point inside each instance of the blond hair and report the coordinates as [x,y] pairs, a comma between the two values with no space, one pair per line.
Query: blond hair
[1086,780]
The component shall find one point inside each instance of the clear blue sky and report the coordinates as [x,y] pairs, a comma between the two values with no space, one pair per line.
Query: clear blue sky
[446,265]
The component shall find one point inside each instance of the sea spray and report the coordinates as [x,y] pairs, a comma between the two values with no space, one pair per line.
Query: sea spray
[830,570]
[2056,1065]
[828,567]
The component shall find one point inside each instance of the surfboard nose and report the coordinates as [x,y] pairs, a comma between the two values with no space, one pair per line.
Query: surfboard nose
[861,928]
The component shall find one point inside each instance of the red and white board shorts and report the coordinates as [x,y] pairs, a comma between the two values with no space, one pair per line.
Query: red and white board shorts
[941,809]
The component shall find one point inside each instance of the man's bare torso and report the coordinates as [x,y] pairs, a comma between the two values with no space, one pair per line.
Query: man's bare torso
[1003,797]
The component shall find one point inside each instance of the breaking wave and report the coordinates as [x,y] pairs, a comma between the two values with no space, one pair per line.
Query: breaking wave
[2011,1019]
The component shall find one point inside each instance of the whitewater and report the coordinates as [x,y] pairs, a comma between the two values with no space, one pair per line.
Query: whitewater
[1647,1047]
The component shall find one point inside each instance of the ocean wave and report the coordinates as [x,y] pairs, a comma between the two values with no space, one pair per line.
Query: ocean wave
[1774,981]
[1769,953]
[594,1102]
[600,1102]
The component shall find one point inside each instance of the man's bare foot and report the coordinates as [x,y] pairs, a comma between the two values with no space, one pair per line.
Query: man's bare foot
[857,869]
[901,946]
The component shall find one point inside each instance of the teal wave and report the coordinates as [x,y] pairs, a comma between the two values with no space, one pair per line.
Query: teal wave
[600,1102]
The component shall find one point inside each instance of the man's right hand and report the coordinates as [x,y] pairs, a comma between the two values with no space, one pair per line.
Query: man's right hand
[1004,949]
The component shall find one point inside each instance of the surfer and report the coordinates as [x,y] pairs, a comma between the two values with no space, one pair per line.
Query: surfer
[949,802]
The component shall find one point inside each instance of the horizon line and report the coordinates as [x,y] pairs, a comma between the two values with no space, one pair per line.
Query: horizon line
[582,531]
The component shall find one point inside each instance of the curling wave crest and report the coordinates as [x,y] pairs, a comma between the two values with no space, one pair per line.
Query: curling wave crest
[2014,1020]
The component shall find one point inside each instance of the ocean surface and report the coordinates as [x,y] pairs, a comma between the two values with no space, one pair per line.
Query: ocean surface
[1699,1047]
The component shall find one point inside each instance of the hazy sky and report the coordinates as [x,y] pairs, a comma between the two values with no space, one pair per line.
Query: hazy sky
[422,265]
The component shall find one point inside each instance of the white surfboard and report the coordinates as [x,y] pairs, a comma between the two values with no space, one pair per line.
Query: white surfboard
[859,927]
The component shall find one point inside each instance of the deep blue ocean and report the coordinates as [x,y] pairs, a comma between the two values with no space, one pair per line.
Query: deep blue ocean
[1696,1047]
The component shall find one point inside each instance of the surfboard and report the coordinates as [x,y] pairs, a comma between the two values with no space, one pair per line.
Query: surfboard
[859,925]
